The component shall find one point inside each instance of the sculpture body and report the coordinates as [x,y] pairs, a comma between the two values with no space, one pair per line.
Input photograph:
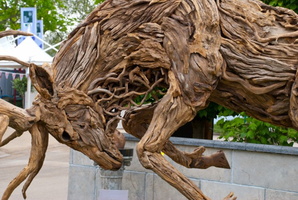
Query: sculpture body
[240,54]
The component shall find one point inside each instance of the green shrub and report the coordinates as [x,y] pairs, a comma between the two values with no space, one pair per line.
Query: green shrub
[250,130]
[20,85]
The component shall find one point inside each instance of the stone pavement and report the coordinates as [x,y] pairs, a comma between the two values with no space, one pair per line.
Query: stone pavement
[52,180]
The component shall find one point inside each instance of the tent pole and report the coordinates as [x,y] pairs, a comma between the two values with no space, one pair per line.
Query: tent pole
[28,96]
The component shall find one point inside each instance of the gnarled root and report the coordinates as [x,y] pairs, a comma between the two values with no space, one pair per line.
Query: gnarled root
[39,146]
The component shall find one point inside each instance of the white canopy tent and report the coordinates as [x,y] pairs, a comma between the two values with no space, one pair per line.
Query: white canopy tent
[27,51]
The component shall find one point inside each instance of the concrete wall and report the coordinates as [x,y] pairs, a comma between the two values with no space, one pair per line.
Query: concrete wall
[258,172]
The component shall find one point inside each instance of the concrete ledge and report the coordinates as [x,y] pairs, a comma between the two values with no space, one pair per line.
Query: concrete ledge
[229,145]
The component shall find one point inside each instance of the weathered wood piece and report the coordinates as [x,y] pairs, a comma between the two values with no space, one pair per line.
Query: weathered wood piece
[242,54]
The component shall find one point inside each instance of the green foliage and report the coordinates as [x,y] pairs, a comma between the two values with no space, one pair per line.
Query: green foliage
[20,85]
[78,10]
[156,94]
[59,17]
[247,129]
[46,10]
[291,4]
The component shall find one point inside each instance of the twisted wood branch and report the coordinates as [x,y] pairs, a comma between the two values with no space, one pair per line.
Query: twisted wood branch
[11,58]
[13,32]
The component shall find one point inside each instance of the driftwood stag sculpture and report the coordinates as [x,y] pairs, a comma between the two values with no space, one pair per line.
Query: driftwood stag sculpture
[242,54]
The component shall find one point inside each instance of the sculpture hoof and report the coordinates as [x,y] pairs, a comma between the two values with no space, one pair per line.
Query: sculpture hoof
[230,196]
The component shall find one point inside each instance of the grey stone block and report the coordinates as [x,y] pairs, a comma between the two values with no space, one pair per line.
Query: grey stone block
[217,191]
[149,186]
[77,158]
[273,171]
[162,190]
[278,195]
[108,179]
[135,164]
[134,182]
[81,183]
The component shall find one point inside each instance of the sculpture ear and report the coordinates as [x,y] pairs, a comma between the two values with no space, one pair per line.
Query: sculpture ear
[42,80]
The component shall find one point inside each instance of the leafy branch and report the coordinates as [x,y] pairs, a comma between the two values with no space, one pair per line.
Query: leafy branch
[251,130]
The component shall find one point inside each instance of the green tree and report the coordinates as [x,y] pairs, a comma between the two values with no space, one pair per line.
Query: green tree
[291,4]
[20,85]
[48,10]
[75,11]
[80,9]
[59,16]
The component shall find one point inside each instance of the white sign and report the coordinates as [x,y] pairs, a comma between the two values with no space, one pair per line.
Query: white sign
[28,19]
[39,33]
[30,24]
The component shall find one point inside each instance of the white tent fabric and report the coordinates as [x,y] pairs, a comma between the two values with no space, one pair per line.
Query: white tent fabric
[27,51]
[6,48]
[6,44]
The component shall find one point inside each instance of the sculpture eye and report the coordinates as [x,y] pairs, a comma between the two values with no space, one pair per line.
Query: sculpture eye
[81,126]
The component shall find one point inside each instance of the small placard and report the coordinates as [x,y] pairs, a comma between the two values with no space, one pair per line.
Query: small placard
[113,195]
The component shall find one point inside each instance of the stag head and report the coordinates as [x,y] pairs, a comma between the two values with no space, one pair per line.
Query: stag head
[72,118]
[68,114]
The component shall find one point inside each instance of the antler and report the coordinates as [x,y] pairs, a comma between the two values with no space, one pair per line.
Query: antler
[11,115]
[19,119]
[14,32]
[39,146]
[22,120]
[11,58]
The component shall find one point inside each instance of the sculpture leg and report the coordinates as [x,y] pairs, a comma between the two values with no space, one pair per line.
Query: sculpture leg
[37,155]
[136,123]
[4,121]
[169,115]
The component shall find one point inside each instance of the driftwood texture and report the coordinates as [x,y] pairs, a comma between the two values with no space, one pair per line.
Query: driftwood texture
[242,54]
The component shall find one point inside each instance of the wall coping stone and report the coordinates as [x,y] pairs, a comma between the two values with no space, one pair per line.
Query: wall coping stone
[262,148]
